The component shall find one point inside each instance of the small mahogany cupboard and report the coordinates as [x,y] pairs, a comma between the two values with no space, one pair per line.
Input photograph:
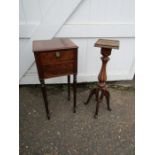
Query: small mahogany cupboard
[54,58]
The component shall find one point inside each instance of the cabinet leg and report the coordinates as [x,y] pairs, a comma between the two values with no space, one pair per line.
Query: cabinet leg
[68,80]
[43,89]
[74,92]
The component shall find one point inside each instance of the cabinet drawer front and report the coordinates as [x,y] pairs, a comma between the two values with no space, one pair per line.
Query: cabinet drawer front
[56,57]
[58,70]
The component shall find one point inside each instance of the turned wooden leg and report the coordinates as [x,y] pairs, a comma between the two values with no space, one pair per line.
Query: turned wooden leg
[43,89]
[107,95]
[97,103]
[92,92]
[74,92]
[68,80]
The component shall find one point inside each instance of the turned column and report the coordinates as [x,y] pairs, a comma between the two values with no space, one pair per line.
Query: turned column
[102,77]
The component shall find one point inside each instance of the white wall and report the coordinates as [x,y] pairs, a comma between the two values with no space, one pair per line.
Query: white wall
[93,19]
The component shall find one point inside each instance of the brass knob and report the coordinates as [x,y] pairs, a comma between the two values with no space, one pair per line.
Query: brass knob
[57,54]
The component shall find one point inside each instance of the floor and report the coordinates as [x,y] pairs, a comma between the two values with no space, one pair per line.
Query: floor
[67,133]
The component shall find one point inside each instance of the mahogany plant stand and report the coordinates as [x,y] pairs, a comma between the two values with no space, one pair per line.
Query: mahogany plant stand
[100,91]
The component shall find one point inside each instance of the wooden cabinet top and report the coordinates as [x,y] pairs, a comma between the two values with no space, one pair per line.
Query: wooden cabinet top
[53,44]
[107,43]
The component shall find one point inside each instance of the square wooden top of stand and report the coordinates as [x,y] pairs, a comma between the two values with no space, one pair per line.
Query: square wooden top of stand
[104,43]
[53,44]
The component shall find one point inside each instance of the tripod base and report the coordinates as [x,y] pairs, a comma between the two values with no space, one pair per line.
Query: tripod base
[99,93]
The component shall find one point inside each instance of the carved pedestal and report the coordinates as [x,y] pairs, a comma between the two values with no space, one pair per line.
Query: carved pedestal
[100,91]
